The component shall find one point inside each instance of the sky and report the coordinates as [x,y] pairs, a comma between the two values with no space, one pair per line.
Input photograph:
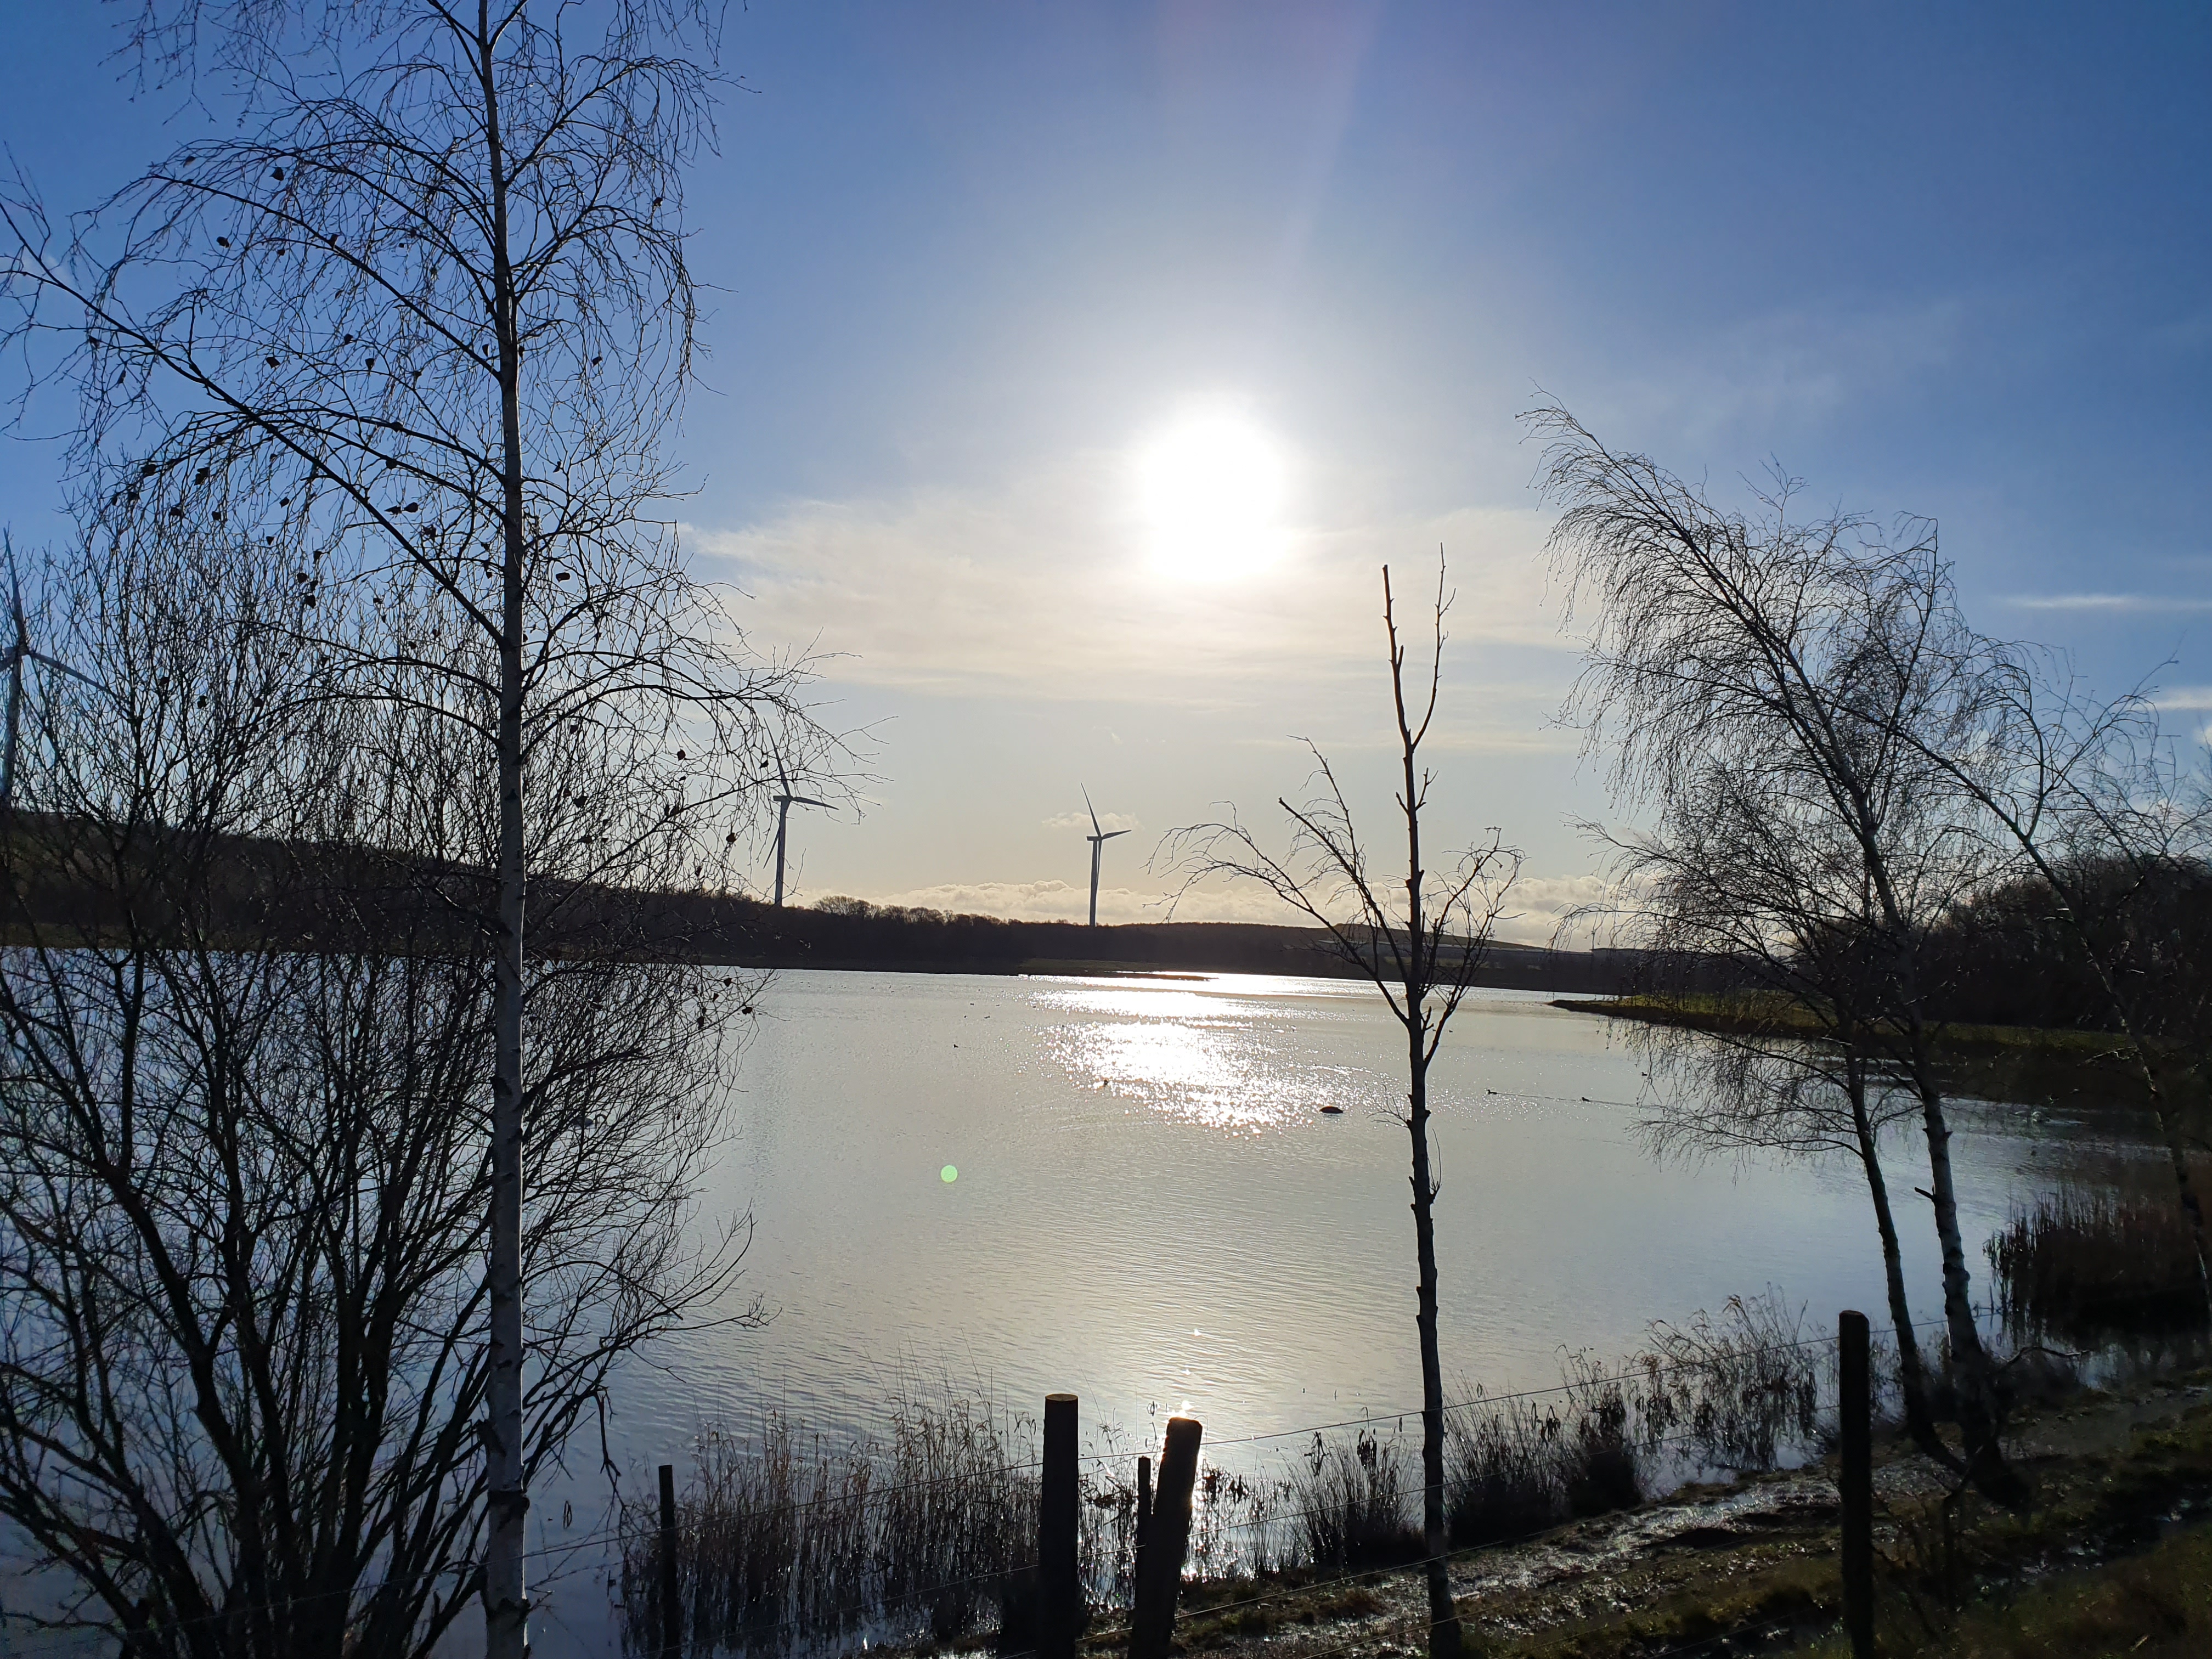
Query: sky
[992,283]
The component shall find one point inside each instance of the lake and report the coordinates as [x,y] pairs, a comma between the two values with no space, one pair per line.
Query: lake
[1148,1207]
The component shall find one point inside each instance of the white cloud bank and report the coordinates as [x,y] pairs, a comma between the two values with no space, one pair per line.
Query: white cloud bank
[1044,590]
[2111,604]
[1538,905]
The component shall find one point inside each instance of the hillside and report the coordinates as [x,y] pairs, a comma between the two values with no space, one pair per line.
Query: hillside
[74,886]
[759,935]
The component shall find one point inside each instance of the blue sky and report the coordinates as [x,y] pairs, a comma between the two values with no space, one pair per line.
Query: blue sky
[971,259]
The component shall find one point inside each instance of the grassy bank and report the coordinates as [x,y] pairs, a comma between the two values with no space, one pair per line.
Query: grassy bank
[1753,1014]
[2155,1606]
[2044,1065]
[2114,1556]
[2112,1516]
[924,1533]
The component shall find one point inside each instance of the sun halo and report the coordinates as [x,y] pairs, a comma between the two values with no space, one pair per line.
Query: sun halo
[1210,488]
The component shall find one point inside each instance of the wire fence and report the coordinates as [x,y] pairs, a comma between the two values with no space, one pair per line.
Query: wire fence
[1308,1590]
[1520,1464]
[1347,1508]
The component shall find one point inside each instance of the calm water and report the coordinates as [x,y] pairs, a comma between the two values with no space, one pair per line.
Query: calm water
[1152,1211]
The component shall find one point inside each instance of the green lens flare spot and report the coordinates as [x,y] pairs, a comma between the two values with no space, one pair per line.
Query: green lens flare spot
[948,1175]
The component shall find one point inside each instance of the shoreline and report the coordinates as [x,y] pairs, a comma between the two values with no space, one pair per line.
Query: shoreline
[2036,1066]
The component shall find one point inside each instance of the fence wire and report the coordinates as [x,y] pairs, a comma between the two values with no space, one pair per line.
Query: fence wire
[624,1531]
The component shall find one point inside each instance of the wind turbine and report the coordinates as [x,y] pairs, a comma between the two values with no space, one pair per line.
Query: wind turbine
[784,802]
[19,652]
[1097,838]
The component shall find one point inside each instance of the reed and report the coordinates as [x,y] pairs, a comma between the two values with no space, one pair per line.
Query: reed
[783,1538]
[927,1532]
[1504,1475]
[1356,1502]
[1735,1391]
[2086,1266]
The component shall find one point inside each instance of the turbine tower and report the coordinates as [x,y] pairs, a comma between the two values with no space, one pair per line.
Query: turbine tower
[19,652]
[785,800]
[1097,838]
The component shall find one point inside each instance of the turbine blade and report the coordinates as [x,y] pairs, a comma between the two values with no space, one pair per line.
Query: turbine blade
[56,664]
[1093,811]
[1110,834]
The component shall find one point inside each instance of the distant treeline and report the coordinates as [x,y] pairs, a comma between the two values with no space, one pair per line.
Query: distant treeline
[76,889]
[2008,958]
[2012,956]
[849,932]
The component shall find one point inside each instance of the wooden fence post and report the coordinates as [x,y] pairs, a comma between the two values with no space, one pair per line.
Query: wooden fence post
[1855,1404]
[1059,1589]
[1144,1527]
[671,1597]
[1167,1535]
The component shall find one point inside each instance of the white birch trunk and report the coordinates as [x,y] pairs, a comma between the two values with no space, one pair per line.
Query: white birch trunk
[506,1607]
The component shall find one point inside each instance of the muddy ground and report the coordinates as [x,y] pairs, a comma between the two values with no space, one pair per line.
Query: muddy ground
[1751,1568]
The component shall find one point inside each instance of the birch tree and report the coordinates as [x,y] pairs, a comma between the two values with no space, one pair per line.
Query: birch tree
[1729,876]
[419,326]
[247,1023]
[1820,653]
[1420,940]
[2087,795]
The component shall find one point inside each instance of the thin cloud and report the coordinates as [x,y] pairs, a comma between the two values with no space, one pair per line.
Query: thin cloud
[2184,699]
[1798,368]
[1042,590]
[2117,603]
[1108,820]
[1539,903]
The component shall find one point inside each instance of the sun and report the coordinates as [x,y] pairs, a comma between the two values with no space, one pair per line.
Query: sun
[1210,488]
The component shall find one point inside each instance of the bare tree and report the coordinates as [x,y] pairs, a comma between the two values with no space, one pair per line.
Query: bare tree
[1727,883]
[1822,657]
[2085,794]
[243,1186]
[420,328]
[1422,951]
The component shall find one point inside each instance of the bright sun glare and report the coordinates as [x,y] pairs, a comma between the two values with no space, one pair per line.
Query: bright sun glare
[1211,489]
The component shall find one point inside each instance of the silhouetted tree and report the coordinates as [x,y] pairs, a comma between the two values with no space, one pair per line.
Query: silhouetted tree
[419,330]
[1421,949]
[1817,665]
[243,1194]
[1733,872]
[2118,849]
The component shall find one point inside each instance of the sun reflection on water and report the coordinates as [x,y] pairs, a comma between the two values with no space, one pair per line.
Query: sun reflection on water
[1206,1053]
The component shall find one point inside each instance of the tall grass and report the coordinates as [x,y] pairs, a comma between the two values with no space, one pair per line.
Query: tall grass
[786,1541]
[1734,1393]
[2089,1265]
[783,1538]
[1356,1501]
